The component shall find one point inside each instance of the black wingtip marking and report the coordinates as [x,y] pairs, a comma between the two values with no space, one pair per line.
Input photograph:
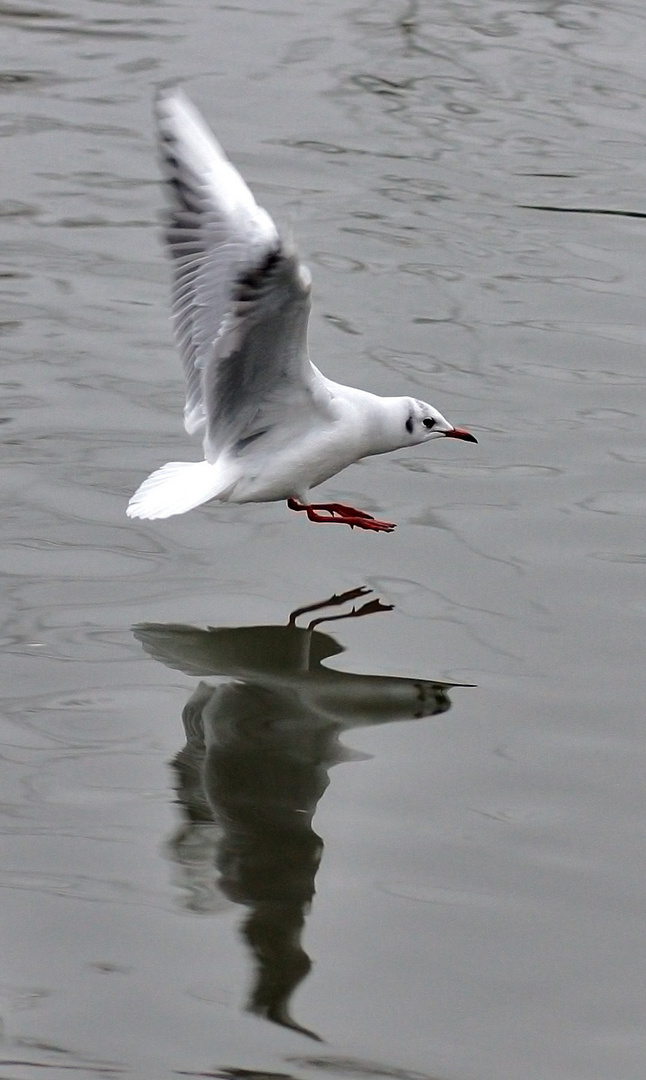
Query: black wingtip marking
[252,280]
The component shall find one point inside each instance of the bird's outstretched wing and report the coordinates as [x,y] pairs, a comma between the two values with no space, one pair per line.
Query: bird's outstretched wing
[241,299]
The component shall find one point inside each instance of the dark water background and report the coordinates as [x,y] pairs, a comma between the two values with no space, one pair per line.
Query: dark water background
[467,181]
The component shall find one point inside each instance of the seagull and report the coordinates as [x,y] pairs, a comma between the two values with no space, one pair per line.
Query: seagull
[273,426]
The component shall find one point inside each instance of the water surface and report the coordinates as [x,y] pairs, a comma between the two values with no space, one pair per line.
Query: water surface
[463,895]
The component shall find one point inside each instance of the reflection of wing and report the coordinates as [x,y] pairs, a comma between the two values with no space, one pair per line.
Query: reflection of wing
[290,659]
[249,652]
[193,847]
[241,302]
[351,700]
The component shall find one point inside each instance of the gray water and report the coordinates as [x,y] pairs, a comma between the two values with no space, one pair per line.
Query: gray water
[188,885]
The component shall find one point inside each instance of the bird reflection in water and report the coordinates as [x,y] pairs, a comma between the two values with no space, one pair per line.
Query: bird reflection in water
[259,745]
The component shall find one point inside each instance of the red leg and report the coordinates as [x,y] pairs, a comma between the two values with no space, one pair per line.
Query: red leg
[350,516]
[342,510]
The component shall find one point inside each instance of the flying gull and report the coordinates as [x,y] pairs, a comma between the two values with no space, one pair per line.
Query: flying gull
[273,426]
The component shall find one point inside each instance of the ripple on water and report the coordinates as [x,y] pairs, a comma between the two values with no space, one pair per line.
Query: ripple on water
[60,561]
[345,1068]
[78,887]
[635,456]
[93,718]
[410,363]
[580,375]
[616,502]
[606,416]
[459,468]
[339,263]
[425,893]
[619,557]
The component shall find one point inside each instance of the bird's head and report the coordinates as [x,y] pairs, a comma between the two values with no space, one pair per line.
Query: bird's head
[421,423]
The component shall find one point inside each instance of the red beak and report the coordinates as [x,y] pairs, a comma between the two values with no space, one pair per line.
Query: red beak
[460,433]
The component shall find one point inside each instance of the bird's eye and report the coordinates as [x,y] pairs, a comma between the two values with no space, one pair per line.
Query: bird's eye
[428,422]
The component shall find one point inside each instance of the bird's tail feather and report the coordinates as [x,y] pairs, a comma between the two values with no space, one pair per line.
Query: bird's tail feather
[177,487]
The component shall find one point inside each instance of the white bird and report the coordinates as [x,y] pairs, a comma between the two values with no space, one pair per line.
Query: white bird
[273,425]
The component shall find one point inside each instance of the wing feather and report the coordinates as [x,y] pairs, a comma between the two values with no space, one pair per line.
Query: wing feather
[240,301]
[262,376]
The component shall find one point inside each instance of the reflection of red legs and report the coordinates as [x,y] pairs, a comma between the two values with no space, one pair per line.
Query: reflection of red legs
[333,601]
[371,607]
[340,514]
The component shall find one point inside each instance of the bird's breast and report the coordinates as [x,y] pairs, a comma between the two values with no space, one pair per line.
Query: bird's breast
[272,471]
